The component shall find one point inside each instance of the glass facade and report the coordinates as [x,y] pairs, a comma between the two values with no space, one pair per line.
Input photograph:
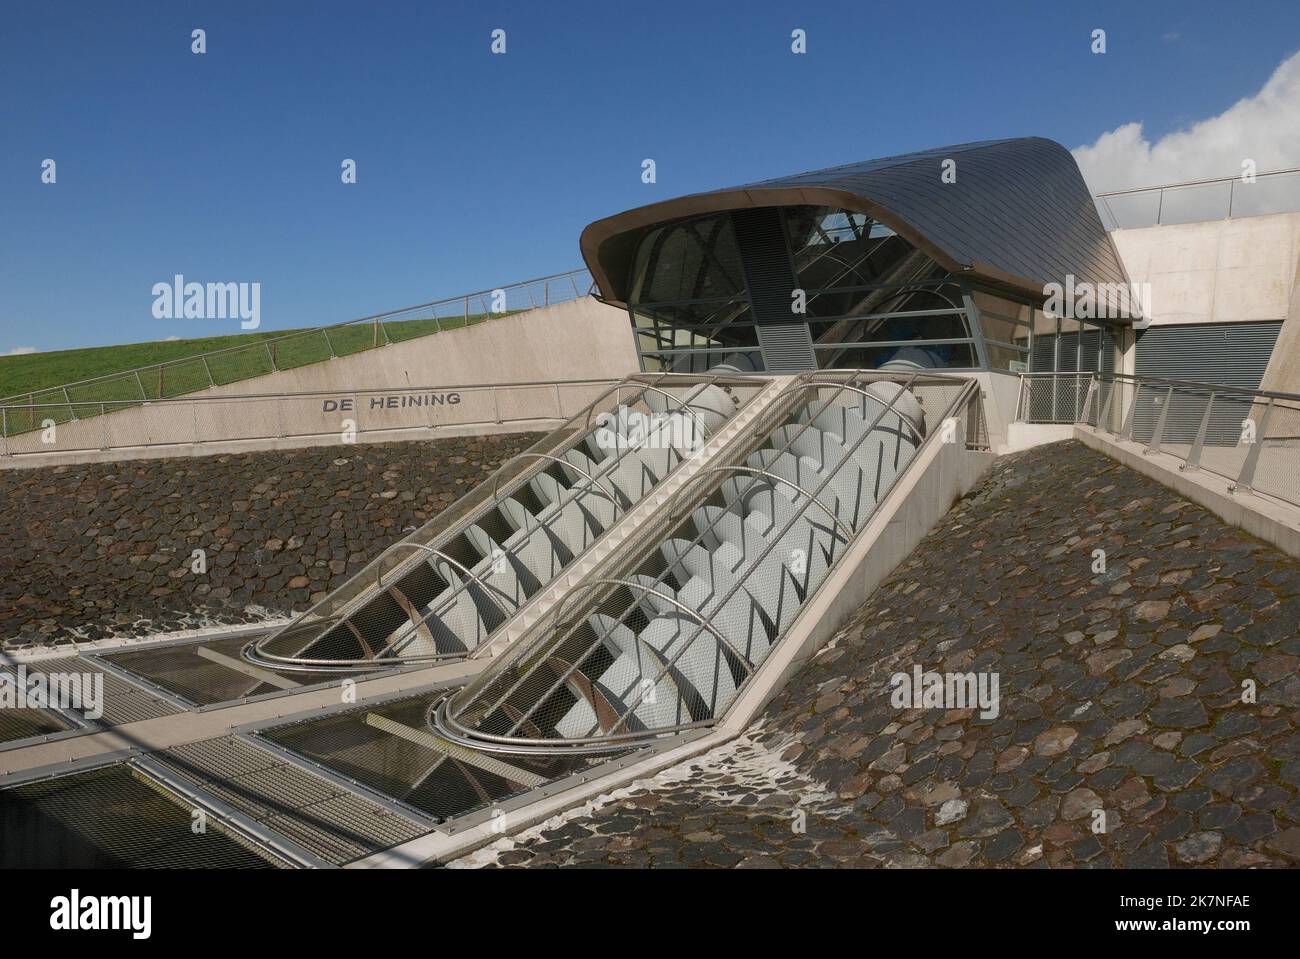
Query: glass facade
[865,295]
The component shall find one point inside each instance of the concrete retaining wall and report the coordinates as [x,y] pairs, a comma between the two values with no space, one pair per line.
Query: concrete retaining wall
[1221,271]
[205,426]
[577,340]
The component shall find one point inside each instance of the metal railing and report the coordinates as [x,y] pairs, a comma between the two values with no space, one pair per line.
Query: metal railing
[285,648]
[1277,191]
[347,415]
[271,354]
[1249,437]
[524,684]
[1052,397]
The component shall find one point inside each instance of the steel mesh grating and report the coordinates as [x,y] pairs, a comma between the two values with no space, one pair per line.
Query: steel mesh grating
[114,817]
[123,702]
[391,749]
[24,723]
[335,824]
[208,672]
[16,724]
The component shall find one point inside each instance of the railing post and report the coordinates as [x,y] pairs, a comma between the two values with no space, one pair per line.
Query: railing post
[1021,405]
[270,355]
[329,343]
[1158,434]
[140,383]
[72,414]
[1087,399]
[103,419]
[1104,419]
[208,370]
[1198,444]
[1160,205]
[1126,432]
[1231,191]
[546,292]
[1247,478]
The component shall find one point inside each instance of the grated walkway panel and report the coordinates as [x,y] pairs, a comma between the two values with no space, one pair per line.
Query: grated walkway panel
[337,825]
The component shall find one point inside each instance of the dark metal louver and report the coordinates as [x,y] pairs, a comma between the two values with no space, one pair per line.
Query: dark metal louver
[782,335]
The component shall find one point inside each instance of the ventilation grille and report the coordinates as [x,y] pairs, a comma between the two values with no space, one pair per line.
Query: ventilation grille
[787,346]
[1230,354]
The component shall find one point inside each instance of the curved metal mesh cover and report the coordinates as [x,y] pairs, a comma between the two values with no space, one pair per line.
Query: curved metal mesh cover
[667,639]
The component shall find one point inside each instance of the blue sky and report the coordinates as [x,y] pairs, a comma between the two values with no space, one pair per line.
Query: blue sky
[475,170]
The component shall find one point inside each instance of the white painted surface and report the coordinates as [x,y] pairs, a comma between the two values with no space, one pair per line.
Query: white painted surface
[1220,271]
[1025,436]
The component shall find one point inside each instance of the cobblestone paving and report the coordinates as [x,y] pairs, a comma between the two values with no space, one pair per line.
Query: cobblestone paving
[93,551]
[1120,692]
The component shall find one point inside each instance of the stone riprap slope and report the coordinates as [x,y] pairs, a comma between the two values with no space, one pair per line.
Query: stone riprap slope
[103,550]
[1120,692]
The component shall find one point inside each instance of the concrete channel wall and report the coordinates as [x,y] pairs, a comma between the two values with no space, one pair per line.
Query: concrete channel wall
[579,340]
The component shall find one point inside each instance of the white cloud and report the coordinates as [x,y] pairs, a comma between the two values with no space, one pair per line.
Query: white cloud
[1264,127]
[22,351]
[170,339]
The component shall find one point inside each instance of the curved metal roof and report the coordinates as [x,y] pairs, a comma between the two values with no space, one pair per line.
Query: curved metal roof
[1019,214]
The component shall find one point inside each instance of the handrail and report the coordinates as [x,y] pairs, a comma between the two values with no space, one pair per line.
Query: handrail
[1240,453]
[1217,179]
[681,607]
[558,441]
[255,654]
[267,342]
[1200,384]
[305,394]
[597,485]
[1229,197]
[755,471]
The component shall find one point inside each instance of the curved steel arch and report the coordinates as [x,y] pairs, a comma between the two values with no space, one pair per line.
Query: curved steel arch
[253,652]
